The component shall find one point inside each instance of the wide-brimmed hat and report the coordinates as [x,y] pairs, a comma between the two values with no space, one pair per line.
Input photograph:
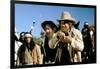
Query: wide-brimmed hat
[66,16]
[50,23]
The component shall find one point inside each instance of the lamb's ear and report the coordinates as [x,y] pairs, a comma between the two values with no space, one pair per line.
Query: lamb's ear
[77,25]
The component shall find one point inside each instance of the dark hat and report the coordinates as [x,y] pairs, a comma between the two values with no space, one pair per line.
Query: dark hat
[66,16]
[86,23]
[50,23]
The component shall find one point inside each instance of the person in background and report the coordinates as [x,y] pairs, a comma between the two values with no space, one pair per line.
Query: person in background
[29,53]
[50,28]
[42,45]
[88,43]
[17,44]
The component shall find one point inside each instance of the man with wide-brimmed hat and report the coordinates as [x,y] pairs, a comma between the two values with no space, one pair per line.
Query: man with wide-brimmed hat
[70,43]
[50,29]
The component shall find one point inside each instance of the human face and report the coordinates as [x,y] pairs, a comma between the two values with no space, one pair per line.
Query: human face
[64,26]
[28,39]
[48,30]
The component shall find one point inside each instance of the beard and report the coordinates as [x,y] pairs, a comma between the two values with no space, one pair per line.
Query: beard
[64,30]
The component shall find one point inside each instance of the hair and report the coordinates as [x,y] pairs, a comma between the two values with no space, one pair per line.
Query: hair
[71,25]
[32,43]
[22,49]
[52,27]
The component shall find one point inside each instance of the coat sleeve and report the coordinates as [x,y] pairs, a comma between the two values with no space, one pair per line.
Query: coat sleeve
[39,56]
[77,41]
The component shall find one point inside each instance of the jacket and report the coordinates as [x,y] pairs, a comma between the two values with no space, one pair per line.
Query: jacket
[74,48]
[29,57]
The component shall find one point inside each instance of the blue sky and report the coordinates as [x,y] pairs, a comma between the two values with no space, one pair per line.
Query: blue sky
[26,14]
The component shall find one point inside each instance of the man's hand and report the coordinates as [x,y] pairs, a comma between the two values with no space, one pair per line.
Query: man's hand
[63,38]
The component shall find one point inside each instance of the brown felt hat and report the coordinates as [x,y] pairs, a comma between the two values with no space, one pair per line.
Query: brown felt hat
[66,16]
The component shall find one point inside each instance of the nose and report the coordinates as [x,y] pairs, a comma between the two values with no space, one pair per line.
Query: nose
[47,32]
